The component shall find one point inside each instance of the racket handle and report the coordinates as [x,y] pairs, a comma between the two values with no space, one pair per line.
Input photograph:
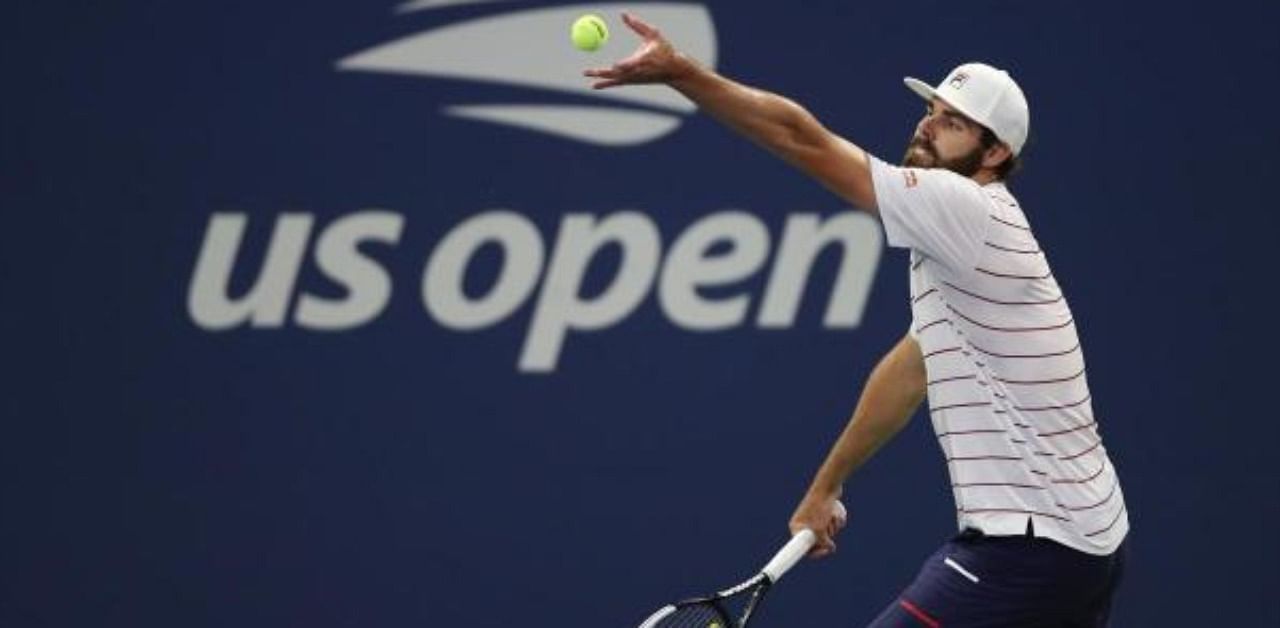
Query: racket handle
[790,554]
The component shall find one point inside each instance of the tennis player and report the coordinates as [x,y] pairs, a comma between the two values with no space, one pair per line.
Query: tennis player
[992,346]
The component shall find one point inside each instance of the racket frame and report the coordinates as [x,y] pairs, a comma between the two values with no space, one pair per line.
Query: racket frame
[759,584]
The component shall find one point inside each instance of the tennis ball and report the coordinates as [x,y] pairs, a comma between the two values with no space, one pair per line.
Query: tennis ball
[589,32]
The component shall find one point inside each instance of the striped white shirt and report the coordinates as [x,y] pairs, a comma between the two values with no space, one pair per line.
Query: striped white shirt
[1007,391]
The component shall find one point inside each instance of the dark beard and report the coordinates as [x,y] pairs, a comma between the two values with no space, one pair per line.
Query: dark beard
[965,165]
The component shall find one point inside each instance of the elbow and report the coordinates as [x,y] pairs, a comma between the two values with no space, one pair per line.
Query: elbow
[803,131]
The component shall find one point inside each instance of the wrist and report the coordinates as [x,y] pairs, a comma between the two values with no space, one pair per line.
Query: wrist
[822,491]
[683,70]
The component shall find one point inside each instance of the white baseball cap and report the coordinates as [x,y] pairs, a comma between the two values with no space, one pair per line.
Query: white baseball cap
[986,95]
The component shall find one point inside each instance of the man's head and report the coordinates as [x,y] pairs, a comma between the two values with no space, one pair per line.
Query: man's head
[976,123]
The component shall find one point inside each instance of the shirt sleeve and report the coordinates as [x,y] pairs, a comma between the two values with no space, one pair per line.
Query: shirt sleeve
[937,212]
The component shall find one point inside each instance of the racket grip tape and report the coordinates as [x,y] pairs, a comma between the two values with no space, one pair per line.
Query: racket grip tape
[790,554]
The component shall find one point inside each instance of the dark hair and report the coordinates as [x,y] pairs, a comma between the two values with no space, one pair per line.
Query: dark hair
[1006,167]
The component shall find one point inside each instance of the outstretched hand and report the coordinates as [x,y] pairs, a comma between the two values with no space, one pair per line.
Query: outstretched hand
[655,61]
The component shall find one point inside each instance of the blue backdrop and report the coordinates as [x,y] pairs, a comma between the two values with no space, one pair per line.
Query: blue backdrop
[434,423]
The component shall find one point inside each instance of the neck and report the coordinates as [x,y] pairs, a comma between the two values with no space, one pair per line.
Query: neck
[984,176]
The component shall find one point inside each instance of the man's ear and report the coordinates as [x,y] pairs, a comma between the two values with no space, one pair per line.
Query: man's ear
[996,155]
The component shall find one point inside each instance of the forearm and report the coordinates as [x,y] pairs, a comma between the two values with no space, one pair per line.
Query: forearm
[782,127]
[891,395]
[772,121]
[776,123]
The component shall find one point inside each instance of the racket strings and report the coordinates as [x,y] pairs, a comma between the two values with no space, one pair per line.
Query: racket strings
[702,615]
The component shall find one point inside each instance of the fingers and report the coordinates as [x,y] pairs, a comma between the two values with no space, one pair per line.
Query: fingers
[642,66]
[631,62]
[826,517]
[613,73]
[622,72]
[609,77]
[839,516]
[823,546]
[832,523]
[642,28]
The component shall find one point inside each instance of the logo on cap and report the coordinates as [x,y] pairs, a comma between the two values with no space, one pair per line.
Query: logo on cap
[959,80]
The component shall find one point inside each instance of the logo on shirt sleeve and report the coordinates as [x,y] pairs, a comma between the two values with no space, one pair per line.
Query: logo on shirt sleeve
[910,176]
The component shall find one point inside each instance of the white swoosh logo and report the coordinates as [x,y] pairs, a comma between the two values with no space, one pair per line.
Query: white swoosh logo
[531,49]
[419,5]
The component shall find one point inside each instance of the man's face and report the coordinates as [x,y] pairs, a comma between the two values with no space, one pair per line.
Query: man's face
[945,138]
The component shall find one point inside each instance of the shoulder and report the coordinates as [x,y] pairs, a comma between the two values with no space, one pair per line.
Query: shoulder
[1000,195]
[928,186]
[1004,207]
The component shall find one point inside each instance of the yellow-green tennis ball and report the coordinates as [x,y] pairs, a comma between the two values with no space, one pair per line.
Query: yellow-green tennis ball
[589,32]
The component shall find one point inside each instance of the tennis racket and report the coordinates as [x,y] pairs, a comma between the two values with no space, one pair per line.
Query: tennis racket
[716,611]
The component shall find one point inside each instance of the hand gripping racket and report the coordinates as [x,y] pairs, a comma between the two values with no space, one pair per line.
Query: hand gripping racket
[714,611]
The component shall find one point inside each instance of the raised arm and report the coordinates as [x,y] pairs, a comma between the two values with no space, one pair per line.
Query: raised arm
[891,395]
[774,122]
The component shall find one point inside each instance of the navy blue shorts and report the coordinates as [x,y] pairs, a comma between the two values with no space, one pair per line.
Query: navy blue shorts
[976,580]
